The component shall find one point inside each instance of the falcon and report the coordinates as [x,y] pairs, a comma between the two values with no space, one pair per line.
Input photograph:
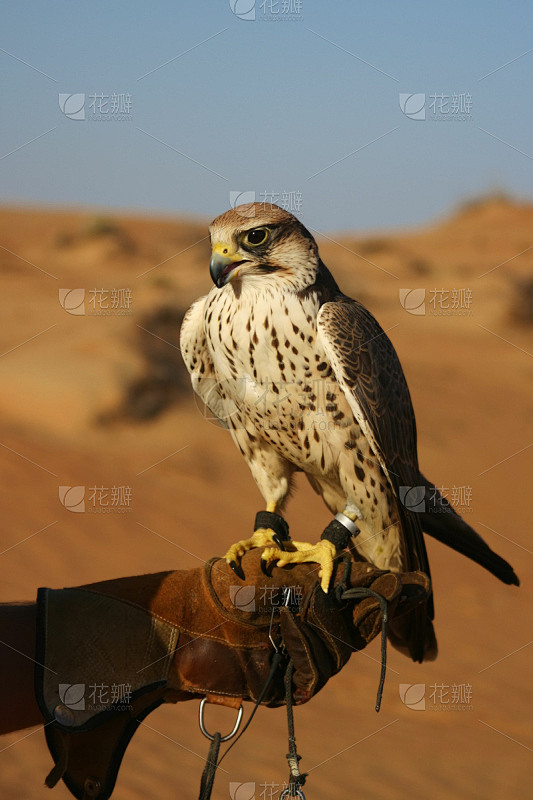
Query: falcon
[306,380]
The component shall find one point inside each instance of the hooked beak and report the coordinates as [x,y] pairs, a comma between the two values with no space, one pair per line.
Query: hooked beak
[224,265]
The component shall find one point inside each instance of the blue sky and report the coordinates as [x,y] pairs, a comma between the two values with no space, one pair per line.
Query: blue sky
[300,104]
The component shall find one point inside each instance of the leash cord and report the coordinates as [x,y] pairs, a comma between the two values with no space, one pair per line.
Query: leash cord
[212,763]
[208,775]
[296,778]
[273,669]
[362,591]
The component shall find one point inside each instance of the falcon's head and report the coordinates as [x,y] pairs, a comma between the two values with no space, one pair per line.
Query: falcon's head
[257,242]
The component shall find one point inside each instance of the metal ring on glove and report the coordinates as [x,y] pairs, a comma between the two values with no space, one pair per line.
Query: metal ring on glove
[222,738]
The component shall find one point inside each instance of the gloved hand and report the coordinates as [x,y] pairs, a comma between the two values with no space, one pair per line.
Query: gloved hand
[200,633]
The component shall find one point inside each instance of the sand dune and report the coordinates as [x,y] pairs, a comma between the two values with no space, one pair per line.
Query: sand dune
[67,420]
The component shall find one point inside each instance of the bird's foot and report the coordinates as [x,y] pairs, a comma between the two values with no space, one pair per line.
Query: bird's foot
[262,537]
[321,553]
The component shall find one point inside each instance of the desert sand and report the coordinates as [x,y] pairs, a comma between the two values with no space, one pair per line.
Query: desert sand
[98,400]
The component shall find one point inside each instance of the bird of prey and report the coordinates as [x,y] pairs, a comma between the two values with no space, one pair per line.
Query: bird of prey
[306,380]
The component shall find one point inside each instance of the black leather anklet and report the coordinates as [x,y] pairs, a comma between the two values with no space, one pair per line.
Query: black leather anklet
[268,519]
[339,531]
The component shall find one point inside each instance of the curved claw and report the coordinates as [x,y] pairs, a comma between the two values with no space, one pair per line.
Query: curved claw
[238,570]
[322,554]
[280,542]
[266,567]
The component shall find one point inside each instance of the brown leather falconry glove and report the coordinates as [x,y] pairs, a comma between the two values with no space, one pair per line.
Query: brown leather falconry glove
[109,653]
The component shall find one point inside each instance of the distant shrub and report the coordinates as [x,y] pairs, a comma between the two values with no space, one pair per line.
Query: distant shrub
[101,226]
[521,309]
[420,266]
[164,377]
[376,245]
[63,239]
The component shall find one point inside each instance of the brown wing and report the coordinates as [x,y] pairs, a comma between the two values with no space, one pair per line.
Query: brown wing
[369,372]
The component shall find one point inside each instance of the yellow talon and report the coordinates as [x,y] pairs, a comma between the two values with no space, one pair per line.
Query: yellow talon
[321,553]
[262,537]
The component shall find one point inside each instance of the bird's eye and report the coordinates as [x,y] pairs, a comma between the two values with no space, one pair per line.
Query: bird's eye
[256,236]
